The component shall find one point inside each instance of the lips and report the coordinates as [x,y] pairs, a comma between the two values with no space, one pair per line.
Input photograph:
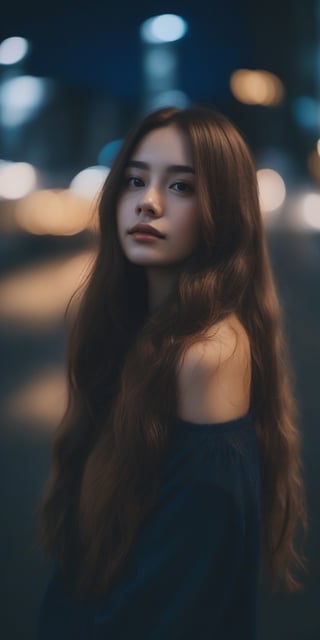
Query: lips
[147,229]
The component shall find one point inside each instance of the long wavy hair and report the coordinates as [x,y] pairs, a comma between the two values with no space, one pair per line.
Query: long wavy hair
[122,369]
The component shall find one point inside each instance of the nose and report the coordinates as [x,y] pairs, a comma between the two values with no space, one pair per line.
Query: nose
[149,202]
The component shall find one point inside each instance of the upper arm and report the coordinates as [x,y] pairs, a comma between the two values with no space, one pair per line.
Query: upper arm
[214,378]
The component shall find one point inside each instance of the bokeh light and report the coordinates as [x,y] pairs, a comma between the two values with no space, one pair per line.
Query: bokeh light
[306,112]
[108,152]
[88,182]
[21,97]
[16,179]
[311,210]
[272,190]
[13,50]
[171,98]
[54,212]
[257,87]
[314,165]
[159,63]
[164,28]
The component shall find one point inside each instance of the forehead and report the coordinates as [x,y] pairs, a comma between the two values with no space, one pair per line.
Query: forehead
[167,145]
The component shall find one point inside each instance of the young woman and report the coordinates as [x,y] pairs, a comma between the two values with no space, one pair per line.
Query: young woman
[177,469]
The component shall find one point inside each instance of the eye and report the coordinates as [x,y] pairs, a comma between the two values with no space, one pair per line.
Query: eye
[182,187]
[134,181]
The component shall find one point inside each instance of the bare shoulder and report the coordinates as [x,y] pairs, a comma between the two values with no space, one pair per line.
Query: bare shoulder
[214,377]
[225,340]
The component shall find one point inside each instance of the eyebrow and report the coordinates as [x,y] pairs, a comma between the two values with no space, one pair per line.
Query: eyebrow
[172,168]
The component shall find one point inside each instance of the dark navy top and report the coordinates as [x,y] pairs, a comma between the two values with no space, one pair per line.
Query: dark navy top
[193,572]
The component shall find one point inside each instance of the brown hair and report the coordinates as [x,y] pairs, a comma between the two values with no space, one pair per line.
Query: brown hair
[109,447]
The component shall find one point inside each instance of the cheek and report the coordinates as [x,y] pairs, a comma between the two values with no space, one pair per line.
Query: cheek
[124,208]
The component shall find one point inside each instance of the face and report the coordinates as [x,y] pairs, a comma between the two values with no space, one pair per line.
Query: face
[160,191]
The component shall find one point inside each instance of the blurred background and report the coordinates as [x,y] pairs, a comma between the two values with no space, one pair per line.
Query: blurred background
[74,76]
